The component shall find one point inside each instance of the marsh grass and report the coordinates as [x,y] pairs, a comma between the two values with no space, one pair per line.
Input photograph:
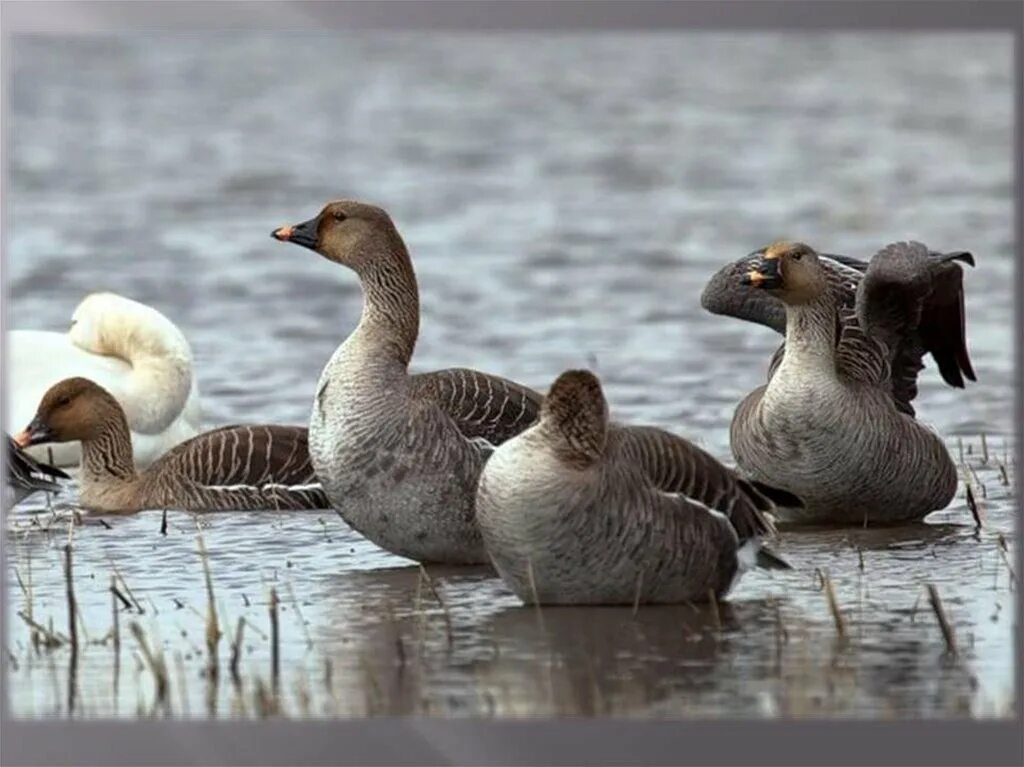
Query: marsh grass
[421,651]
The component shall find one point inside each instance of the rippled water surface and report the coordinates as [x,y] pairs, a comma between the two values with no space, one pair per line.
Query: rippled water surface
[564,198]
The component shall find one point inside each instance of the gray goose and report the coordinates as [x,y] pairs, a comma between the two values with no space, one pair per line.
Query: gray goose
[835,424]
[231,468]
[26,475]
[399,455]
[581,510]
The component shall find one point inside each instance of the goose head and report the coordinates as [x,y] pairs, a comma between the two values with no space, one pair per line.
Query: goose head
[577,411]
[73,409]
[351,233]
[789,270]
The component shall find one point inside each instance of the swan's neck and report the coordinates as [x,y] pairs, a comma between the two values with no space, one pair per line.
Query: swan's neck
[158,386]
[390,321]
[156,391]
[108,456]
[811,334]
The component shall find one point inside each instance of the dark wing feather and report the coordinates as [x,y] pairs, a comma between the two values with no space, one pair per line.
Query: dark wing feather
[482,406]
[26,473]
[912,299]
[674,465]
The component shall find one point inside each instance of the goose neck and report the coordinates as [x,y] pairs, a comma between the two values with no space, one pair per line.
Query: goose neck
[811,332]
[390,320]
[108,456]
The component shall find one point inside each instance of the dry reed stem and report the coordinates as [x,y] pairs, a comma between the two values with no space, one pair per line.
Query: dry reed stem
[440,601]
[236,653]
[715,617]
[940,615]
[833,606]
[156,664]
[213,632]
[275,639]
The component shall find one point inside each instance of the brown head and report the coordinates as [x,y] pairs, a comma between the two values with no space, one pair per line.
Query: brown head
[789,270]
[73,409]
[576,409]
[351,233]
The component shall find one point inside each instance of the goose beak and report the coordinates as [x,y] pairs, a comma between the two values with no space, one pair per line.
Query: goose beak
[763,273]
[303,234]
[34,434]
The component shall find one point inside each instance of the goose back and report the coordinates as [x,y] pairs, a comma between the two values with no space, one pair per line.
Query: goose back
[239,467]
[580,510]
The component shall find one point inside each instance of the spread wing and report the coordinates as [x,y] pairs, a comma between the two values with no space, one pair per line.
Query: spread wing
[912,300]
[905,303]
[482,406]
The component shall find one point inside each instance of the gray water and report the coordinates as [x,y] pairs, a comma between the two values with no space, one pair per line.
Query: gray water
[565,199]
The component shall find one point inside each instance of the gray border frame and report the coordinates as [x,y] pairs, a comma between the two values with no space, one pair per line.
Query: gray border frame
[596,742]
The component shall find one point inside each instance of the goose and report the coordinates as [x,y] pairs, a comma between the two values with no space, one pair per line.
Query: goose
[230,468]
[26,476]
[129,348]
[834,424]
[578,509]
[399,454]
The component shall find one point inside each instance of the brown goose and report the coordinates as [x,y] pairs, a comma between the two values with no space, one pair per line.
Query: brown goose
[835,424]
[234,467]
[26,475]
[399,455]
[580,510]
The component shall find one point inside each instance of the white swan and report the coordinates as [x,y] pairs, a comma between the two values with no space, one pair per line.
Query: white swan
[131,350]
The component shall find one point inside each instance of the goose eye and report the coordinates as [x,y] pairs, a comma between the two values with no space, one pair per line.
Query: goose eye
[797,256]
[339,216]
[64,402]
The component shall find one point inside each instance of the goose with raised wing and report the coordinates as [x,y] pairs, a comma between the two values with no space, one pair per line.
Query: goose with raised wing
[834,424]
[26,475]
[231,468]
[399,454]
[130,349]
[579,509]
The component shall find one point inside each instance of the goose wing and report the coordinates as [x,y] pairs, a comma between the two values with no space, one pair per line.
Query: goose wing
[27,475]
[907,297]
[912,300]
[243,460]
[674,465]
[482,406]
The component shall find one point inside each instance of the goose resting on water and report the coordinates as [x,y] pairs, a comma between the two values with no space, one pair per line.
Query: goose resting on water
[231,468]
[835,424]
[399,455]
[580,510]
[26,476]
[130,349]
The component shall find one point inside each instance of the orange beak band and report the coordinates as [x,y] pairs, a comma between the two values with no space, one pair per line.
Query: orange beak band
[23,439]
[283,233]
[755,278]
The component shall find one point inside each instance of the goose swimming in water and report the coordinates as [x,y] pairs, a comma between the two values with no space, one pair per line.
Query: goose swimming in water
[130,349]
[26,476]
[835,424]
[581,510]
[231,468]
[399,455]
